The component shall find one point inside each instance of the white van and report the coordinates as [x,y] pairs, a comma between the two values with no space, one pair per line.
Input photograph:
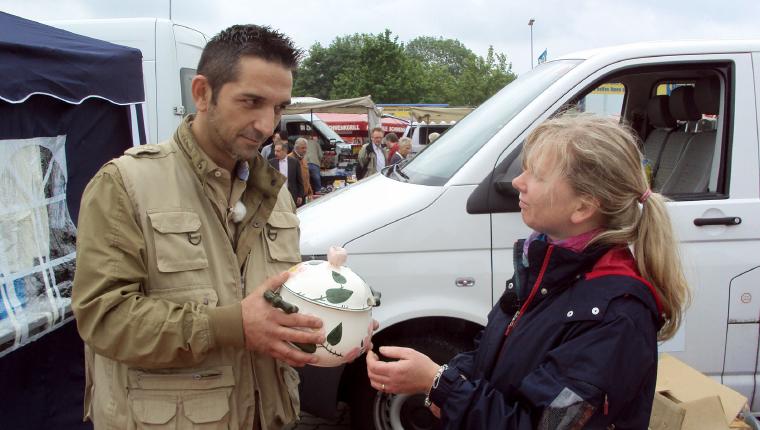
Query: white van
[420,133]
[435,236]
[170,57]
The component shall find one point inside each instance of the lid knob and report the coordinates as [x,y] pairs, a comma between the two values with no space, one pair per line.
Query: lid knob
[336,256]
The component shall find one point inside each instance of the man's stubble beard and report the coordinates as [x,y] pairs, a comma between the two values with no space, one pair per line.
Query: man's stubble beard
[228,146]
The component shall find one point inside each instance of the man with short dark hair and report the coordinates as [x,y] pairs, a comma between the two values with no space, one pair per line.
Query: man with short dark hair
[291,169]
[372,157]
[177,244]
[391,142]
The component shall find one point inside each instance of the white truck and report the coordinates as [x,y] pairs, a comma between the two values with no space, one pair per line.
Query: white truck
[170,57]
[435,236]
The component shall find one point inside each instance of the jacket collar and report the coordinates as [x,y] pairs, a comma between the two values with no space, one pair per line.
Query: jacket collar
[262,176]
[564,267]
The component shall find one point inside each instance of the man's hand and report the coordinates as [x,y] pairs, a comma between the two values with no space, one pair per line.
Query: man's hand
[268,329]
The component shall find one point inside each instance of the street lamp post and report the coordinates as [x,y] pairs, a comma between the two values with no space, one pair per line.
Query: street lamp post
[530,24]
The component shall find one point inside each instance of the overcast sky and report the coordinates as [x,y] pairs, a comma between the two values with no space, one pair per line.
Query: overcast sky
[561,26]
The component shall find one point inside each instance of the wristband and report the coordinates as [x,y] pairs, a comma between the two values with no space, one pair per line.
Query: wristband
[436,380]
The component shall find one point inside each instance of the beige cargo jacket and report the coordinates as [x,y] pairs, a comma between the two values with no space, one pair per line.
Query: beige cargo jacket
[161,270]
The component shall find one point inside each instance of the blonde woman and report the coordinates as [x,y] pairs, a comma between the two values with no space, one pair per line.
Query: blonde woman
[572,342]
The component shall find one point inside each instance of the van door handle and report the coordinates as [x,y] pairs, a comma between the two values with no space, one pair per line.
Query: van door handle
[728,220]
[465,282]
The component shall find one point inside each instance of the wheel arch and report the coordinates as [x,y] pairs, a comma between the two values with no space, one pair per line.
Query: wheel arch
[458,331]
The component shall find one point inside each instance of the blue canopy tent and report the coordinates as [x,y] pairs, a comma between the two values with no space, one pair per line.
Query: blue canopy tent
[68,104]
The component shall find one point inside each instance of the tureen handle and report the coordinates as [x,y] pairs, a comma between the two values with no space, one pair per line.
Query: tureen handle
[336,256]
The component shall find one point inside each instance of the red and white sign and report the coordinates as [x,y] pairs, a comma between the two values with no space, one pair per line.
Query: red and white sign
[355,125]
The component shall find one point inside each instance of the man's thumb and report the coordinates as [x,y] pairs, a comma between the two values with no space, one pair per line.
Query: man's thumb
[275,282]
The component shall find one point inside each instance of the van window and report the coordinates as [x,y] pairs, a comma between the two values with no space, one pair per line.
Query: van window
[439,162]
[684,139]
[186,76]
[606,99]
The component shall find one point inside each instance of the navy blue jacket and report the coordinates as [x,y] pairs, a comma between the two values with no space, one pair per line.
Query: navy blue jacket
[571,344]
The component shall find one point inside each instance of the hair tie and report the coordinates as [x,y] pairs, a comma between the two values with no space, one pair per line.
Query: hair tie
[645,196]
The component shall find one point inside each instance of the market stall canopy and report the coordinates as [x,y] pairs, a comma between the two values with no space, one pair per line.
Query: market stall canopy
[68,104]
[359,105]
[439,114]
[39,59]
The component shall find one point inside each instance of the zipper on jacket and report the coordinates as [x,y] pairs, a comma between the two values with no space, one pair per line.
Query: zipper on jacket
[606,405]
[205,374]
[532,294]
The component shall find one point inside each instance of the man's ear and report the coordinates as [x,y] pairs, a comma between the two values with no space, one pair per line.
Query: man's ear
[587,209]
[201,90]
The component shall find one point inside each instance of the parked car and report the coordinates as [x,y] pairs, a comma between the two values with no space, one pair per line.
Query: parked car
[435,236]
[420,133]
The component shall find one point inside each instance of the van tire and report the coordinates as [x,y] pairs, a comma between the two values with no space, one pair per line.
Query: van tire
[372,410]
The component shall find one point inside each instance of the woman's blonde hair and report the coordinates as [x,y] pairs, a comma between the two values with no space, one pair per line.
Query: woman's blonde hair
[601,159]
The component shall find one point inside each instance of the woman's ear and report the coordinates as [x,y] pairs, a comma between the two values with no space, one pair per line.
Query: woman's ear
[201,91]
[586,210]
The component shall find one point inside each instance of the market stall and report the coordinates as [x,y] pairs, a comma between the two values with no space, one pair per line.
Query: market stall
[354,128]
[68,104]
[345,152]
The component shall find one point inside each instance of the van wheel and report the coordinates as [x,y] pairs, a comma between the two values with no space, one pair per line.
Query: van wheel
[373,410]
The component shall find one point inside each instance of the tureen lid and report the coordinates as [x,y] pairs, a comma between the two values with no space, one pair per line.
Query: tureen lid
[330,283]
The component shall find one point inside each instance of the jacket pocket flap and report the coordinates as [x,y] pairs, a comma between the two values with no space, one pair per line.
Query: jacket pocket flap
[201,379]
[154,410]
[206,407]
[175,222]
[283,220]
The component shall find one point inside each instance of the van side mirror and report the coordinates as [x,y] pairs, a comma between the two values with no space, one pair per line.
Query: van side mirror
[495,194]
[504,187]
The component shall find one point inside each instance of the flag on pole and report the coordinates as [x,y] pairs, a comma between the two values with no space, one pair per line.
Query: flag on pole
[542,57]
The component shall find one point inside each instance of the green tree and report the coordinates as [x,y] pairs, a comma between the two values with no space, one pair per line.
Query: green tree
[427,70]
[317,73]
[382,70]
[482,78]
[448,53]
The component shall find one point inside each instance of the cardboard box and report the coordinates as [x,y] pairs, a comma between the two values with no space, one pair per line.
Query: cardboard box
[685,399]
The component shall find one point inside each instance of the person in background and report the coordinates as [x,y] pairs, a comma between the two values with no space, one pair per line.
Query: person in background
[169,286]
[314,155]
[266,149]
[291,169]
[391,142]
[372,157]
[432,137]
[278,136]
[404,149]
[299,154]
[572,342]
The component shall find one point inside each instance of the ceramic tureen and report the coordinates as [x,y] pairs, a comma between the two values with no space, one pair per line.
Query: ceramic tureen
[337,295]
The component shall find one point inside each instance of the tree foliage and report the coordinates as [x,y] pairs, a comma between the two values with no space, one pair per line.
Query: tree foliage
[426,70]
[448,53]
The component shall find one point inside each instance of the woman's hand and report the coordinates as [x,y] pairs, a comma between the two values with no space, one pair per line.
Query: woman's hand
[412,373]
[435,410]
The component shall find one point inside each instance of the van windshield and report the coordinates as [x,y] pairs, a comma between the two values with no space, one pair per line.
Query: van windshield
[438,163]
